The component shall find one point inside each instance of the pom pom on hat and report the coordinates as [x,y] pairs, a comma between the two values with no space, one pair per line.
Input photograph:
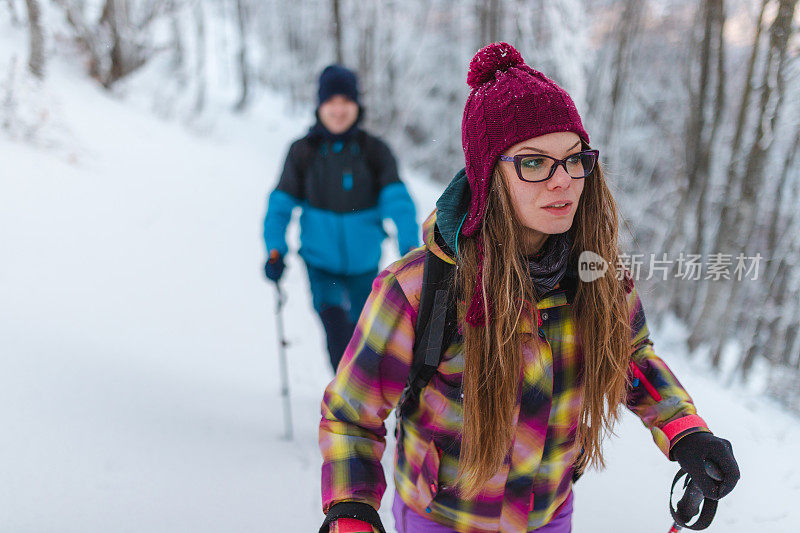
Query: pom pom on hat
[491,59]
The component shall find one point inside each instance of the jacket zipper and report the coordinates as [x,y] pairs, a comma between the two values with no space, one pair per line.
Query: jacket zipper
[644,381]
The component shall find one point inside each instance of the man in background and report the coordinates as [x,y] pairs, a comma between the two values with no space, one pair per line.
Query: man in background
[346,182]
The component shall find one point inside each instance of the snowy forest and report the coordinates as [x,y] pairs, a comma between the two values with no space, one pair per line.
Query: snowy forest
[694,106]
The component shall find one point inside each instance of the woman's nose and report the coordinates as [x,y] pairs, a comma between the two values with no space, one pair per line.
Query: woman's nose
[560,179]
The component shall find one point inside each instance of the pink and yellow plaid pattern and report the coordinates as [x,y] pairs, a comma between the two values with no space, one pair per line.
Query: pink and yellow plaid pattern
[537,474]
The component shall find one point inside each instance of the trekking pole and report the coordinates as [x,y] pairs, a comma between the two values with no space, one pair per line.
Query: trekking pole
[282,344]
[689,504]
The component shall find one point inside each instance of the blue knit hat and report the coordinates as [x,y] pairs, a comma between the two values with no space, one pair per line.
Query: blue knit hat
[336,79]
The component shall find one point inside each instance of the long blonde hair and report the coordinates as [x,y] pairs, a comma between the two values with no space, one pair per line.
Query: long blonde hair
[493,353]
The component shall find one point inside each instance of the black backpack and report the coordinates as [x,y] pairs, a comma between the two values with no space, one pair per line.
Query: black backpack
[434,331]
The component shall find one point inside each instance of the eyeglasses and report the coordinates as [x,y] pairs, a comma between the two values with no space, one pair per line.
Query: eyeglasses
[533,168]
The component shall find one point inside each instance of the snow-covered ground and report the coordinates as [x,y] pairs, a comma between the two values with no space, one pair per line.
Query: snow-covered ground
[139,388]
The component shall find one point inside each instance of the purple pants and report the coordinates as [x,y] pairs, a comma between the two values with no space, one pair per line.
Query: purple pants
[406,520]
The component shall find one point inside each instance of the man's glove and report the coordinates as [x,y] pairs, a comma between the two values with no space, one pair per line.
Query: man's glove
[692,452]
[273,268]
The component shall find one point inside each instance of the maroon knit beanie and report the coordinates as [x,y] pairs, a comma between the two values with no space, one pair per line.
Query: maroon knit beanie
[509,103]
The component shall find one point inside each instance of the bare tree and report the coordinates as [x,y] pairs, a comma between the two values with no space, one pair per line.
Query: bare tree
[777,319]
[36,56]
[702,320]
[87,36]
[118,43]
[706,90]
[127,54]
[178,45]
[200,60]
[9,98]
[703,125]
[628,26]
[337,31]
[367,52]
[244,69]
[12,11]
[737,232]
[490,17]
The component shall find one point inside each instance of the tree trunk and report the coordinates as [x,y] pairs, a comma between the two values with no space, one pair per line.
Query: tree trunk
[700,172]
[125,55]
[496,21]
[736,158]
[767,325]
[391,76]
[88,38]
[36,57]
[627,28]
[778,217]
[244,71]
[337,32]
[9,98]
[115,16]
[490,13]
[12,11]
[200,66]
[178,45]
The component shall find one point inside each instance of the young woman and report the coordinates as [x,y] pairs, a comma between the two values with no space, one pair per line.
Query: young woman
[543,362]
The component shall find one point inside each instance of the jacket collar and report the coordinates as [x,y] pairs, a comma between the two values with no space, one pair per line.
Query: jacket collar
[451,207]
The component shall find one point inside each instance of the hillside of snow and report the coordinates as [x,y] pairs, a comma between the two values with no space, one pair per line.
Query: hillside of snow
[139,388]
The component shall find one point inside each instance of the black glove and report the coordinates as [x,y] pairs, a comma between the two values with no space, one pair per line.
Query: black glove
[358,510]
[273,268]
[694,450]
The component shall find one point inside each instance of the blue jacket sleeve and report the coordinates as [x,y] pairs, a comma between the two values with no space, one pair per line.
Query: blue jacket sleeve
[394,202]
[279,214]
[287,195]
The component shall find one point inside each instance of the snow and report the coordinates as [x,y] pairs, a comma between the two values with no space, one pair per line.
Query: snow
[140,383]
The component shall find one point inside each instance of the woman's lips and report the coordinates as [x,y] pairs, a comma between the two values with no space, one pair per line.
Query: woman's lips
[558,210]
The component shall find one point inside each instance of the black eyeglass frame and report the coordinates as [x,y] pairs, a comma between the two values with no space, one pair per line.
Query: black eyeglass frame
[517,160]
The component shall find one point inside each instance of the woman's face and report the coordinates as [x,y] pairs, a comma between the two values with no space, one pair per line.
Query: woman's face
[534,202]
[338,113]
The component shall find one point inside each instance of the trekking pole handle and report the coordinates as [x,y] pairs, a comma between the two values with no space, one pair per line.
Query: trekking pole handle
[693,498]
[712,470]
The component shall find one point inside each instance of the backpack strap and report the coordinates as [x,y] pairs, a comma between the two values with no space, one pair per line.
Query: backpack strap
[434,331]
[367,145]
[307,149]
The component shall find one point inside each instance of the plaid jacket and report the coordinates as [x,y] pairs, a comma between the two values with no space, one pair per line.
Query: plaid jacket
[536,477]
